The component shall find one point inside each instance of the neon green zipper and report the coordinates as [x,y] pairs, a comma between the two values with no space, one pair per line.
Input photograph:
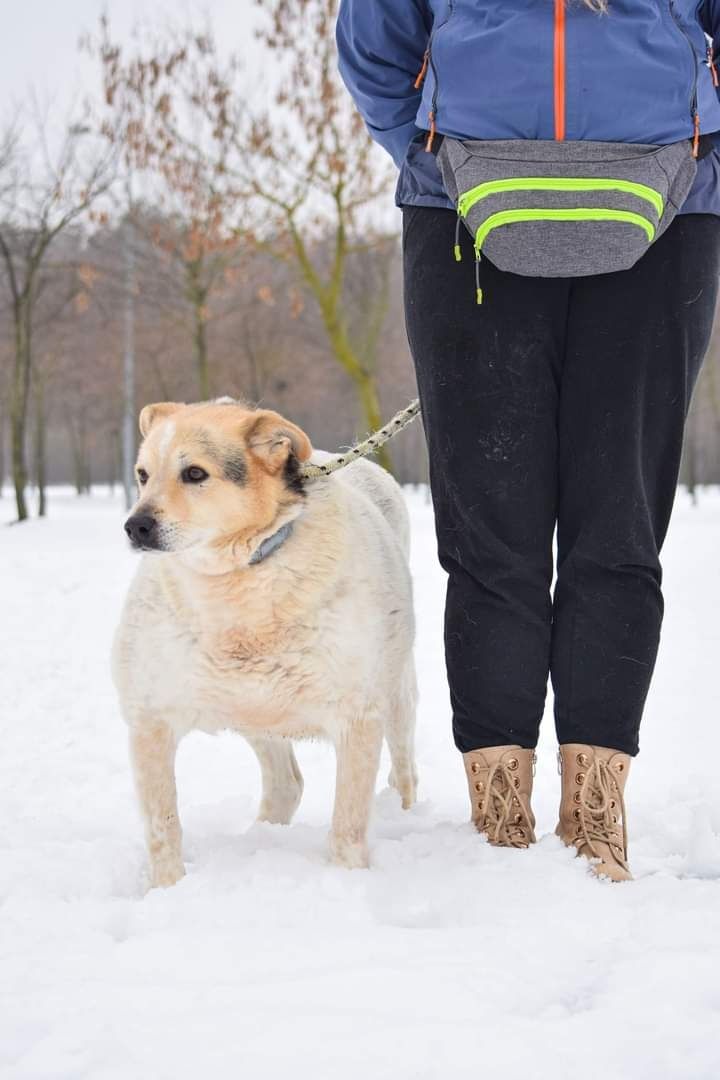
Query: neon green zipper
[559,183]
[511,217]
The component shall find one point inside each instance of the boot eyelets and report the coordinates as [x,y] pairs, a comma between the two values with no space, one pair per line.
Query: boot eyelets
[579,830]
[580,778]
[614,819]
[577,797]
[583,760]
[613,804]
[576,813]
[498,797]
[620,766]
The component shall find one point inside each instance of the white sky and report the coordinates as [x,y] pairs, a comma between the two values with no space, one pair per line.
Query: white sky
[38,42]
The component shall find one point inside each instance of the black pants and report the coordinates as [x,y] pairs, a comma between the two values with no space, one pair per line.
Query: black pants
[557,402]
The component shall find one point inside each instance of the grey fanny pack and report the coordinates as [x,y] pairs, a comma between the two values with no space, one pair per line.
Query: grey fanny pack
[564,209]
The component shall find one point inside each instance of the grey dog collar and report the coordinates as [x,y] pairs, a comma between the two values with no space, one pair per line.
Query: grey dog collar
[271,544]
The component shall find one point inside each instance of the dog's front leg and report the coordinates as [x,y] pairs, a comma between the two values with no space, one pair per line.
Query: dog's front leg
[282,782]
[152,752]
[358,757]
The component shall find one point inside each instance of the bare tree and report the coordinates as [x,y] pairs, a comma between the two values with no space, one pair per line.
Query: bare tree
[5,354]
[8,142]
[310,164]
[48,187]
[284,175]
[369,297]
[152,99]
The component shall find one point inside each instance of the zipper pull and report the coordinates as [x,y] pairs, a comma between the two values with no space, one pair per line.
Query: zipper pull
[711,65]
[696,135]
[431,133]
[478,289]
[423,70]
[457,249]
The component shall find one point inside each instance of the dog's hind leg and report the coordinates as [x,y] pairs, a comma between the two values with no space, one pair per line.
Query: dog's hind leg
[282,782]
[152,752]
[358,756]
[400,736]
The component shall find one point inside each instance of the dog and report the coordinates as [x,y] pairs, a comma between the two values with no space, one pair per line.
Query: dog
[267,604]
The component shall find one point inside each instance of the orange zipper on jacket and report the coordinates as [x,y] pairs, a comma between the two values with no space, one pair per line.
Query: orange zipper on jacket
[559,69]
[423,70]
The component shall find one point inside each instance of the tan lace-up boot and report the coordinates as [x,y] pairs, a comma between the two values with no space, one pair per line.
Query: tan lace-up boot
[592,807]
[500,780]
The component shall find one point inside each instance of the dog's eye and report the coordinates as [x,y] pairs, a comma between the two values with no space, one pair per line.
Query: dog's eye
[142,477]
[193,475]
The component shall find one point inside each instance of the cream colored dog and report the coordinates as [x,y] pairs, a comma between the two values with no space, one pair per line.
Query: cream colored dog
[278,608]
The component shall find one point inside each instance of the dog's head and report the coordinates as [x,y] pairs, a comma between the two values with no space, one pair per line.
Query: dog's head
[212,477]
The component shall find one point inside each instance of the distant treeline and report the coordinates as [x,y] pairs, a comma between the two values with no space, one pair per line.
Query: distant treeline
[262,340]
[181,239]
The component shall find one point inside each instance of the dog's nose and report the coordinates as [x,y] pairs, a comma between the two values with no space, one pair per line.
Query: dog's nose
[141,529]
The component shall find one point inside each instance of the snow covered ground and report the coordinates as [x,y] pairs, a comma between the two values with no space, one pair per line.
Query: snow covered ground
[447,960]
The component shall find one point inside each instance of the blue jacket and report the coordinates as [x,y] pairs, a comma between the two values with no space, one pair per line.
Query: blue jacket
[531,69]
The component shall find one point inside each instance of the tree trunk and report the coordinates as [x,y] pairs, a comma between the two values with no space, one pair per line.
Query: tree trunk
[254,381]
[713,395]
[197,295]
[2,449]
[329,297]
[115,462]
[201,353]
[19,400]
[363,380]
[40,443]
[77,466]
[81,468]
[367,392]
[691,454]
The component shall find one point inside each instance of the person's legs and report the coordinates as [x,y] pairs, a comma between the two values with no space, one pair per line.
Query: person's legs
[635,344]
[488,379]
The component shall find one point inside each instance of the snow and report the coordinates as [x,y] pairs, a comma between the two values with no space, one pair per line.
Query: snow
[448,959]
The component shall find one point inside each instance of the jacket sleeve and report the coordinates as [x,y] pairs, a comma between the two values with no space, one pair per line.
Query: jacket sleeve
[381,44]
[710,22]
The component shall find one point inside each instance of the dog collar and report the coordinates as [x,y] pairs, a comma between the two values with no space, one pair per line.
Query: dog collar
[271,544]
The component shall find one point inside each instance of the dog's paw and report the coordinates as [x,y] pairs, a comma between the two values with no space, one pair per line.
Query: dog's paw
[166,872]
[406,786]
[278,811]
[351,855]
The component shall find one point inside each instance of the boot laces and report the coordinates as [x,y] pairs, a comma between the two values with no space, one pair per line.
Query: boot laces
[503,806]
[602,809]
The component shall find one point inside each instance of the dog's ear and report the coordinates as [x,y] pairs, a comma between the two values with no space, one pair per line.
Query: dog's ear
[152,413]
[272,439]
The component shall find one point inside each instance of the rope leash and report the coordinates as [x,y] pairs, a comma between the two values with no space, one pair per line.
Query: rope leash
[368,446]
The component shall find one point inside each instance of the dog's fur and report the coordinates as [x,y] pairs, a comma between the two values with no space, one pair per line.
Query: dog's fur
[315,640]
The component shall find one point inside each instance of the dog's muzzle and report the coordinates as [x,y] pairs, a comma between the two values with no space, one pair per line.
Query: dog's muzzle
[143,532]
